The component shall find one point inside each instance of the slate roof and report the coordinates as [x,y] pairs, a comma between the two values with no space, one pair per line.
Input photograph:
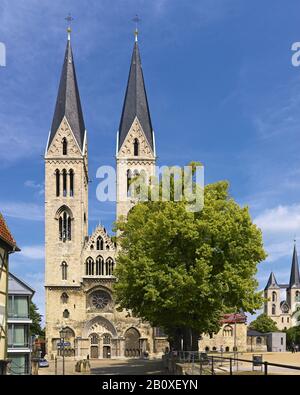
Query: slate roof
[135,102]
[16,286]
[294,277]
[272,283]
[68,100]
[5,233]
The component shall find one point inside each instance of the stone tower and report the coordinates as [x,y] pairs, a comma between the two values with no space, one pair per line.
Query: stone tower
[293,290]
[135,151]
[272,294]
[66,188]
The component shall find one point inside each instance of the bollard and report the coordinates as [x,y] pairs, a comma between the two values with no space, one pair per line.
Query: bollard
[266,368]
[230,364]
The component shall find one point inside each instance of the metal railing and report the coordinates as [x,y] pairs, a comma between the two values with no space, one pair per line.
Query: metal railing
[199,363]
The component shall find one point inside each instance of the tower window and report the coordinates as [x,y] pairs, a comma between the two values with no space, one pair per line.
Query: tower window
[136,147]
[64,173]
[71,183]
[66,313]
[274,296]
[129,175]
[297,296]
[65,225]
[273,309]
[65,146]
[99,243]
[57,177]
[64,271]
[64,297]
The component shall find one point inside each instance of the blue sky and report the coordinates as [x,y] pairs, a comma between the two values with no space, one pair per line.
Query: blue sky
[221,89]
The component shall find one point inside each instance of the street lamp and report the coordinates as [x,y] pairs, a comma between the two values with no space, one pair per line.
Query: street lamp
[62,334]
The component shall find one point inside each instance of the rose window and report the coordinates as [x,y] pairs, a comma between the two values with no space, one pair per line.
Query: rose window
[100,299]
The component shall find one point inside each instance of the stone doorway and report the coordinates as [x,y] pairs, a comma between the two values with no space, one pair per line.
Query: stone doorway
[94,352]
[132,343]
[106,352]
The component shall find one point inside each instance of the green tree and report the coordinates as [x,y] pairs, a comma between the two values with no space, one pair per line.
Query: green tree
[264,324]
[36,317]
[181,270]
[292,336]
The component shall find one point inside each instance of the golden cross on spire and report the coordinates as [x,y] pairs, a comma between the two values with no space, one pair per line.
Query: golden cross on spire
[69,19]
[136,19]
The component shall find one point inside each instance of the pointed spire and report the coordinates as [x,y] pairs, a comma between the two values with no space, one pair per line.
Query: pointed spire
[294,277]
[68,100]
[272,283]
[135,102]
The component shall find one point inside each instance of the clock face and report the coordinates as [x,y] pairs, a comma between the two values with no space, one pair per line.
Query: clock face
[100,299]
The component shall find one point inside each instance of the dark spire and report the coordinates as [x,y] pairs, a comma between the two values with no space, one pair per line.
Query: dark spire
[294,278]
[135,103]
[68,100]
[272,283]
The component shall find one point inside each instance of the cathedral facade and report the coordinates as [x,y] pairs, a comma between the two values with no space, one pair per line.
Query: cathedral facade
[79,268]
[285,311]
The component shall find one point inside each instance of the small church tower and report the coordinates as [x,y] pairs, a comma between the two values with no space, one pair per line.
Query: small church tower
[135,151]
[66,189]
[272,296]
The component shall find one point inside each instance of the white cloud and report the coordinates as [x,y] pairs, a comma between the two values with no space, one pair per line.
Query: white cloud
[280,219]
[27,211]
[36,252]
[38,187]
[279,226]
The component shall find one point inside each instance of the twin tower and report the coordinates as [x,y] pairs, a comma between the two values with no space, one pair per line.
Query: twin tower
[78,267]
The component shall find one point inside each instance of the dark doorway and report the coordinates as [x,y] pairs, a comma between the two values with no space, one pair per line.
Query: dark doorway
[106,352]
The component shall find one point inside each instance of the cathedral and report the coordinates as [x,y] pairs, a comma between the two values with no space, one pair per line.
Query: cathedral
[286,312]
[79,268]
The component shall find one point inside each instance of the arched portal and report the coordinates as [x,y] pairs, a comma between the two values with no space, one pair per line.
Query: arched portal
[132,343]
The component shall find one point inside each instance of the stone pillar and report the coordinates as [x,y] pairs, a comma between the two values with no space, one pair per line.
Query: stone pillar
[122,347]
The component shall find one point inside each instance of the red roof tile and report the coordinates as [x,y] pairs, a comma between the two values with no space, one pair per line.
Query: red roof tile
[5,233]
[232,318]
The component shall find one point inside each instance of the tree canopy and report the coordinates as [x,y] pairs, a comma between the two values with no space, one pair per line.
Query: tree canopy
[183,269]
[36,317]
[264,324]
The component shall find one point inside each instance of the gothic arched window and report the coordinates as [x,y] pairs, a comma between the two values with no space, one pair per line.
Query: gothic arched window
[274,296]
[99,266]
[65,146]
[64,297]
[64,217]
[129,176]
[99,243]
[66,313]
[57,178]
[64,174]
[64,270]
[109,266]
[273,309]
[297,296]
[227,331]
[136,147]
[71,183]
[89,267]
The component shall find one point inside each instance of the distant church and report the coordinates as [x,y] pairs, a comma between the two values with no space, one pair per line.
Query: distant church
[286,313]
[79,268]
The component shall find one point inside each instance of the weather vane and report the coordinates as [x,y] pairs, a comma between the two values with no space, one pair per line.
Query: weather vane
[69,19]
[136,20]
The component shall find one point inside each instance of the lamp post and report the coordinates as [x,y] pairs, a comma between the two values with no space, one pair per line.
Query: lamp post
[62,334]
